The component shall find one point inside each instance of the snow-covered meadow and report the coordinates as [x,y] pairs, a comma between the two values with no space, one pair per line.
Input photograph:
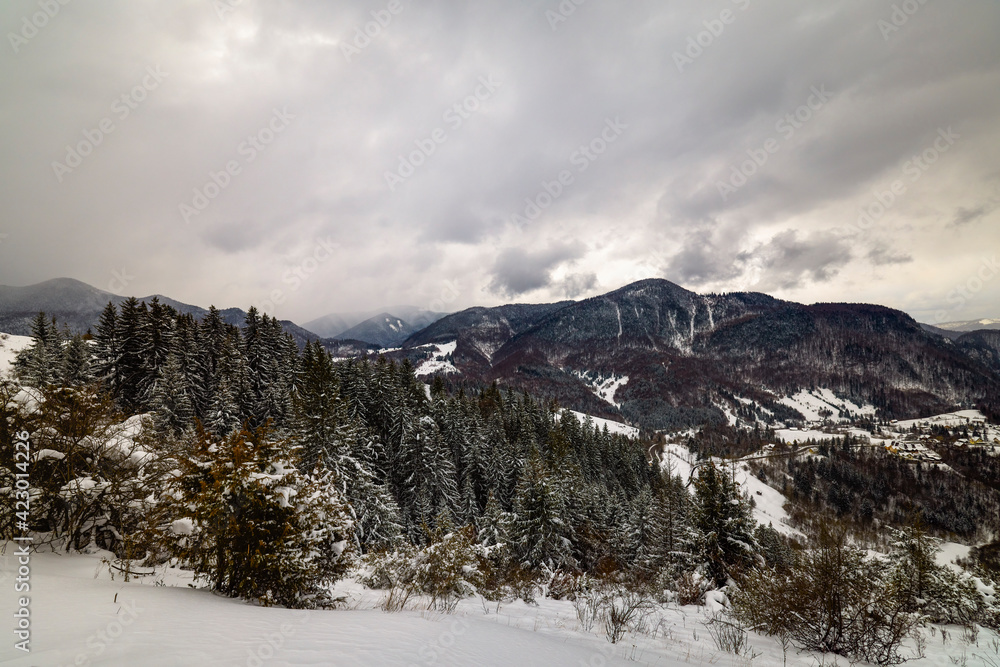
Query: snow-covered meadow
[80,615]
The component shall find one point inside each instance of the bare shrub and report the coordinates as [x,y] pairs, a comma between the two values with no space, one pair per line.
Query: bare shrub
[730,636]
[836,600]
[588,609]
[623,609]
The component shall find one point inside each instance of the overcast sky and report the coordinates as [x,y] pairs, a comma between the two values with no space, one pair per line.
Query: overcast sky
[724,145]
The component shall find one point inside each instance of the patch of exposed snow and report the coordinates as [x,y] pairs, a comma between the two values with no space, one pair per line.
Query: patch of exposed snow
[604,387]
[958,418]
[613,426]
[438,363]
[796,435]
[10,345]
[811,403]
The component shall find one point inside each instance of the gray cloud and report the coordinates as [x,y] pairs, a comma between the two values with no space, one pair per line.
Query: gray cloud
[788,261]
[785,261]
[884,256]
[518,270]
[578,284]
[648,203]
[964,216]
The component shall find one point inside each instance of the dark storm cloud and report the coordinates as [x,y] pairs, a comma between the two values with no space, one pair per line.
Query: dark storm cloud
[415,146]
[785,261]
[788,261]
[518,271]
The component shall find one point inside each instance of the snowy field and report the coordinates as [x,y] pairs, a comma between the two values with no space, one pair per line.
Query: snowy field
[438,363]
[810,403]
[79,616]
[801,435]
[613,426]
[959,418]
[604,387]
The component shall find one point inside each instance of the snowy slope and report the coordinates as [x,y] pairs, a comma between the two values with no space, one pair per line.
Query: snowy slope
[810,403]
[604,387]
[769,508]
[10,345]
[613,426]
[76,620]
[958,418]
[438,363]
[81,617]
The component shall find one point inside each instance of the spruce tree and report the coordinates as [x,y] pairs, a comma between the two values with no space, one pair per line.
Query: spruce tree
[107,350]
[76,368]
[725,520]
[171,404]
[38,365]
[541,535]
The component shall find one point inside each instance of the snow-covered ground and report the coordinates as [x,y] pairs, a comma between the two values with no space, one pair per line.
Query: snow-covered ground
[79,616]
[769,503]
[959,418]
[801,435]
[678,459]
[10,345]
[613,426]
[810,403]
[604,387]
[438,363]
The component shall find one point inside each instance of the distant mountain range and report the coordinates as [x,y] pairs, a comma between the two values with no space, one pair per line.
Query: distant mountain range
[659,356]
[970,325]
[78,306]
[651,353]
[387,326]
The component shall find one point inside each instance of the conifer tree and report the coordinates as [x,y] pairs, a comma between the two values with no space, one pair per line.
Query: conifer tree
[255,526]
[77,368]
[725,520]
[224,413]
[540,534]
[171,404]
[107,350]
[131,367]
[39,365]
